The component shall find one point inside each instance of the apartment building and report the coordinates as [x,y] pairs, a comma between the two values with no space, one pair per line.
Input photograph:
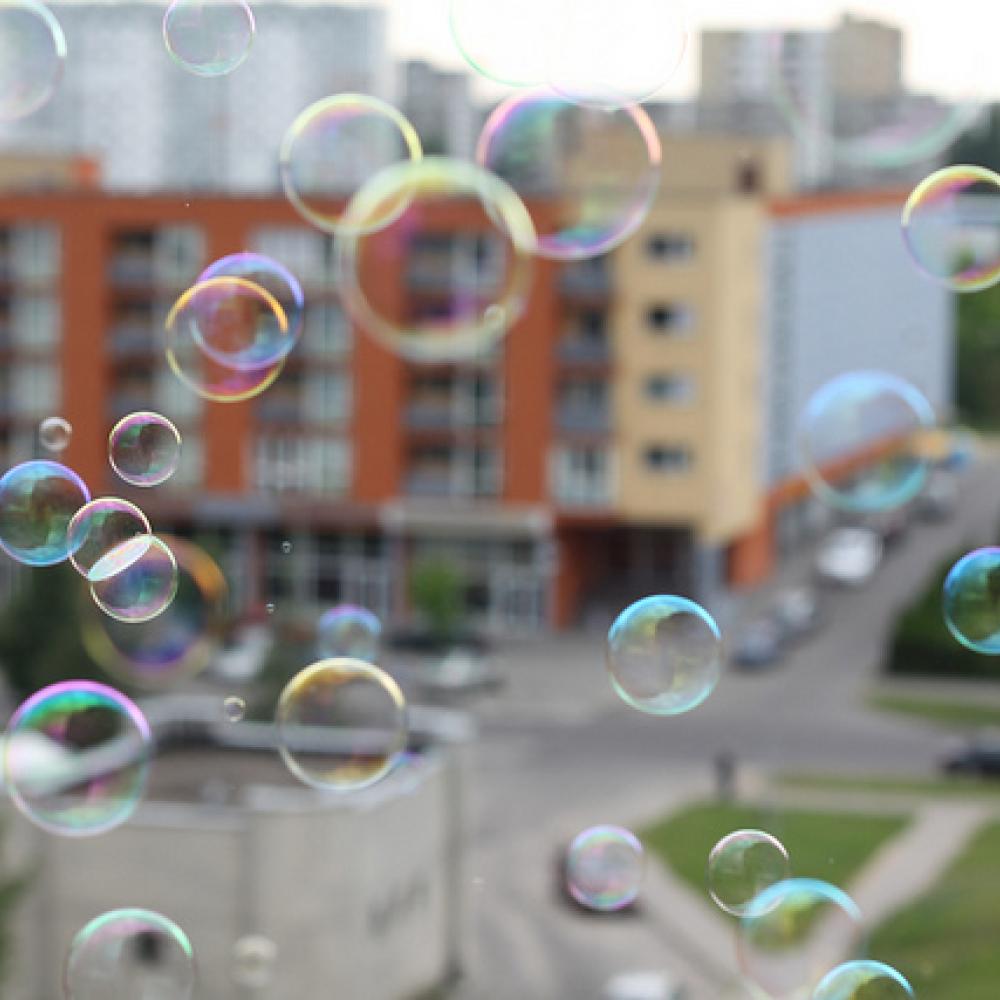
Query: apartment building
[621,439]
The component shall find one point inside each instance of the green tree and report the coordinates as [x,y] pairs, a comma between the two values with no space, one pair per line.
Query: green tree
[437,592]
[979,145]
[40,641]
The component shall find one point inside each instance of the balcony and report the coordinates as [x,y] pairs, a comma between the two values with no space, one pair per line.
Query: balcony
[583,419]
[585,351]
[429,483]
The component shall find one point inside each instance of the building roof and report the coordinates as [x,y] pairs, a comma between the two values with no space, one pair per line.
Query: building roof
[835,202]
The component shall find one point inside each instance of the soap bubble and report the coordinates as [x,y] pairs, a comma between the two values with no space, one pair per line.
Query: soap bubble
[664,655]
[741,865]
[348,630]
[100,526]
[135,581]
[54,434]
[129,953]
[604,868]
[32,57]
[75,758]
[209,37]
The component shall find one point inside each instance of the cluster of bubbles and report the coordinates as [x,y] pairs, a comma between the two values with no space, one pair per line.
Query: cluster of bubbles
[566,168]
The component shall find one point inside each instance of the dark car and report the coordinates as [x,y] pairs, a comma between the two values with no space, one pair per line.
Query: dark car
[761,644]
[978,759]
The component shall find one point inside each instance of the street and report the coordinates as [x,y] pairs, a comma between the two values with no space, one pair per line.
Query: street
[558,752]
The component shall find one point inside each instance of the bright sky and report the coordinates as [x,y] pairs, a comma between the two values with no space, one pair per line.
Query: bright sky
[951,44]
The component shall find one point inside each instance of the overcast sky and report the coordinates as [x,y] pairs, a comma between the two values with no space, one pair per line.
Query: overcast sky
[951,44]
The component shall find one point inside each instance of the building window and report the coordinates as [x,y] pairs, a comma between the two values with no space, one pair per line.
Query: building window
[307,254]
[295,464]
[670,246]
[665,388]
[669,318]
[666,458]
[582,476]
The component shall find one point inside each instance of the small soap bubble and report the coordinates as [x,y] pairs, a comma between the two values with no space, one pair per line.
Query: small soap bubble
[270,607]
[54,434]
[604,868]
[144,449]
[864,441]
[341,724]
[775,947]
[286,547]
[348,630]
[951,226]
[76,757]
[664,655]
[209,37]
[98,528]
[971,601]
[32,57]
[234,708]
[37,502]
[741,865]
[863,979]
[254,958]
[129,953]
[136,581]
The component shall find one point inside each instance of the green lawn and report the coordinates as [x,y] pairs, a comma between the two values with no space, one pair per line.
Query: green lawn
[946,943]
[954,714]
[958,787]
[831,846]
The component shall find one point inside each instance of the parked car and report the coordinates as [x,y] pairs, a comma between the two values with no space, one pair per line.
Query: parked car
[939,498]
[849,556]
[979,758]
[797,611]
[643,986]
[760,644]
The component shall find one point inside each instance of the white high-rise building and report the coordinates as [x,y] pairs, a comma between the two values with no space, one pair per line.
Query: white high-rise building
[154,126]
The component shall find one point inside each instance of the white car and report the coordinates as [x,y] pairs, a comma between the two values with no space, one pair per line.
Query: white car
[849,556]
[643,986]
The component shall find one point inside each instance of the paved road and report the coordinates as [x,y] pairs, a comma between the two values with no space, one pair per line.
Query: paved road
[558,752]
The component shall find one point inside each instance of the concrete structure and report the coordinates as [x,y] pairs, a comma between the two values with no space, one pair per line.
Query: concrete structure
[439,105]
[825,86]
[842,295]
[359,893]
[153,126]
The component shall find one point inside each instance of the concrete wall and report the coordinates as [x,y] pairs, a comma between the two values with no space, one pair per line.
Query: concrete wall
[843,295]
[359,893]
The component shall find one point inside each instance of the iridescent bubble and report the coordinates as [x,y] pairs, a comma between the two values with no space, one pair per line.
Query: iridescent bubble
[971,601]
[54,433]
[348,630]
[130,954]
[604,868]
[75,758]
[860,92]
[175,645]
[286,548]
[32,57]
[334,147]
[234,708]
[100,526]
[741,865]
[467,285]
[863,980]
[664,655]
[273,342]
[232,314]
[341,724]
[144,448]
[270,607]
[589,176]
[951,226]
[136,580]
[863,441]
[507,42]
[254,958]
[613,54]
[793,933]
[37,501]
[209,37]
